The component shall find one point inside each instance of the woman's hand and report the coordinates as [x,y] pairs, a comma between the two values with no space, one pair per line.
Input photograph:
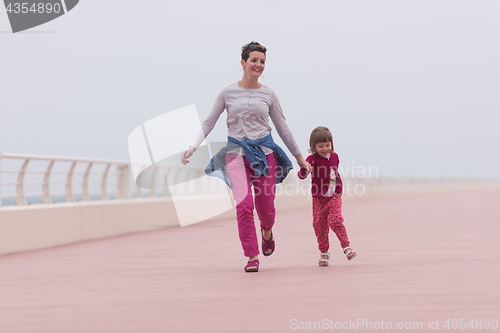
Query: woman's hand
[303,163]
[187,154]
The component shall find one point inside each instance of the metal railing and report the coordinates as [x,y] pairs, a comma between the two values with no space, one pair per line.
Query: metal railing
[123,184]
[124,187]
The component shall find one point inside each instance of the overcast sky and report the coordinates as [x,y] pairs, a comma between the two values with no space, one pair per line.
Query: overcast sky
[412,87]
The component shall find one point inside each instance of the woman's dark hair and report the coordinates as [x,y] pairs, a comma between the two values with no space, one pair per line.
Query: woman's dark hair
[250,47]
[319,134]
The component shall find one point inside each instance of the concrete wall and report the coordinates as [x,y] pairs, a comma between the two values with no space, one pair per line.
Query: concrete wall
[41,226]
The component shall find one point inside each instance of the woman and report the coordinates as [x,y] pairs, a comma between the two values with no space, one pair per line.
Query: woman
[251,157]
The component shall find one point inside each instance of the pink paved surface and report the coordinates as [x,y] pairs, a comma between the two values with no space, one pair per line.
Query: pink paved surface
[433,257]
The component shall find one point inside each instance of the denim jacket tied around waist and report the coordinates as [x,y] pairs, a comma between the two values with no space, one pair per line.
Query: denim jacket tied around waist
[255,156]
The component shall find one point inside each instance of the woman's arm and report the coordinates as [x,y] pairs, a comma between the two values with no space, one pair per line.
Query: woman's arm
[279,121]
[187,154]
[206,126]
[303,163]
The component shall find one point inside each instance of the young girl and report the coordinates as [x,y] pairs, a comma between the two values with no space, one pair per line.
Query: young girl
[327,193]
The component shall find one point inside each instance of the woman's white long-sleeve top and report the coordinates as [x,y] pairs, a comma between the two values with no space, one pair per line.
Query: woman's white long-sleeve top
[248,113]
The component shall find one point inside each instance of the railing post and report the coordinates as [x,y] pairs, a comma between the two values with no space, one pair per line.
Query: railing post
[175,180]
[123,182]
[198,183]
[104,190]
[138,189]
[152,192]
[165,184]
[85,183]
[69,184]
[21,199]
[45,185]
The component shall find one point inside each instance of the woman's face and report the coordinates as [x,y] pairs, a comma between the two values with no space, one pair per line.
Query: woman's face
[255,64]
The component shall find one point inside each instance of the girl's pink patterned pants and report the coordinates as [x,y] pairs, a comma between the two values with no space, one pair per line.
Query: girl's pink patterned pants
[327,212]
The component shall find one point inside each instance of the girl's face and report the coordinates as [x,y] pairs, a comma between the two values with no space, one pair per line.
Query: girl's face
[323,148]
[255,64]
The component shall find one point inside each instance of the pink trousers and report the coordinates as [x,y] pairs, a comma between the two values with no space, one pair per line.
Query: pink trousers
[242,178]
[327,214]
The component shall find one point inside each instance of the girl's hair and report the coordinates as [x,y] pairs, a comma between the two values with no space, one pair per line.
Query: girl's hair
[319,134]
[250,47]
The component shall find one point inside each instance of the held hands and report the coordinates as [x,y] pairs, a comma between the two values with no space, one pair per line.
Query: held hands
[303,164]
[187,154]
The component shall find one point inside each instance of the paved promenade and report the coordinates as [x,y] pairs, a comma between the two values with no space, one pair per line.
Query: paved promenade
[421,261]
